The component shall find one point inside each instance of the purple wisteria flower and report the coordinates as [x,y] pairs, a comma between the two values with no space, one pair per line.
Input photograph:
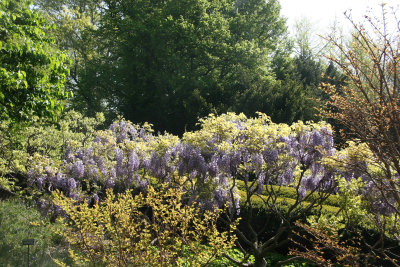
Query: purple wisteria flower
[213,167]
[78,169]
[317,139]
[270,155]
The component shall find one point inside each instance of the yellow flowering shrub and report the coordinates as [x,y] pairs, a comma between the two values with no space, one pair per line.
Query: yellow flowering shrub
[152,229]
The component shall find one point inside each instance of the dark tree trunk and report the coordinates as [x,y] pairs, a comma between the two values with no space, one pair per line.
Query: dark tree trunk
[260,261]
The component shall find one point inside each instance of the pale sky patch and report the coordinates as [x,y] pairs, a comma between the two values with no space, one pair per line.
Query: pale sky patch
[324,13]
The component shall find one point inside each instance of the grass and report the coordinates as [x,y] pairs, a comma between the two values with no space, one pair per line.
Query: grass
[286,196]
[20,220]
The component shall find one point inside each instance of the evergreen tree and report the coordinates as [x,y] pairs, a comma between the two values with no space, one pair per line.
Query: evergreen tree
[168,62]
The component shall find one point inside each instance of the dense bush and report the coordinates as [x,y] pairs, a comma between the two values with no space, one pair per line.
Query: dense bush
[365,227]
[368,109]
[151,229]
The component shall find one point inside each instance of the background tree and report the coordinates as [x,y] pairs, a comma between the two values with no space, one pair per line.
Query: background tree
[293,93]
[33,70]
[180,60]
[169,63]
[77,22]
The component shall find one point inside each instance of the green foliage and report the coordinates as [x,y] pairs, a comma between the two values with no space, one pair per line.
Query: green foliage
[345,234]
[171,63]
[19,221]
[286,100]
[121,230]
[33,71]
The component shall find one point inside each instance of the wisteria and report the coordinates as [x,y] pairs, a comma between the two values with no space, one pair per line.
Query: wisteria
[208,163]
[126,156]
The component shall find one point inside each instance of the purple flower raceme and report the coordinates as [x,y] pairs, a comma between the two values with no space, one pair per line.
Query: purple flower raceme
[40,182]
[317,139]
[146,163]
[270,155]
[122,126]
[119,156]
[71,184]
[137,179]
[110,182]
[133,162]
[97,140]
[316,168]
[31,175]
[133,132]
[79,154]
[144,183]
[257,160]
[213,167]
[224,163]
[311,182]
[69,153]
[78,169]
[287,176]
[223,181]
[143,134]
[113,126]
[302,193]
[221,196]
[235,160]
[92,172]
[261,183]
[158,166]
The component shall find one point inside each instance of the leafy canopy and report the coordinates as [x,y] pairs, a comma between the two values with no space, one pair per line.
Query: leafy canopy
[33,70]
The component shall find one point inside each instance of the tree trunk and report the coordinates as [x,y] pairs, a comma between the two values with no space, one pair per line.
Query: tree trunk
[260,262]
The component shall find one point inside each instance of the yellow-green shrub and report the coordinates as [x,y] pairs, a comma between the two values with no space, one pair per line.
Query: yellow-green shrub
[152,229]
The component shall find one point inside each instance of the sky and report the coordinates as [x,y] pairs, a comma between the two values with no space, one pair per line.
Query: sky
[323,13]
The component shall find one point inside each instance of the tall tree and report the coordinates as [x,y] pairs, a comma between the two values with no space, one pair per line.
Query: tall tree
[32,70]
[175,61]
